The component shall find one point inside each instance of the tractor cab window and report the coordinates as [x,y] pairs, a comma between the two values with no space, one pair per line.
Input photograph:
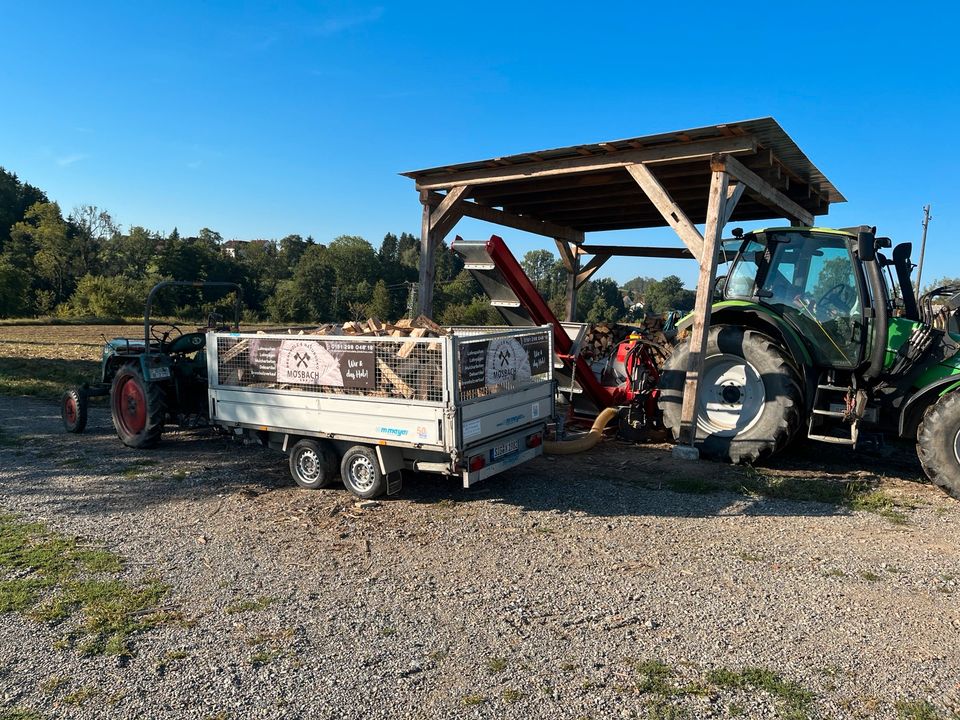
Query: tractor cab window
[810,280]
[743,275]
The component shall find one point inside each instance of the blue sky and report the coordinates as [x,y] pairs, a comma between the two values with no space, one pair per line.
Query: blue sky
[263,119]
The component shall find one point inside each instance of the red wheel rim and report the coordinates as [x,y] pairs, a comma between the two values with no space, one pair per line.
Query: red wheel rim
[70,409]
[130,406]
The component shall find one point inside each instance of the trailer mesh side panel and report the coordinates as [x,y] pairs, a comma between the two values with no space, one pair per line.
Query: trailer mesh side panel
[502,363]
[400,368]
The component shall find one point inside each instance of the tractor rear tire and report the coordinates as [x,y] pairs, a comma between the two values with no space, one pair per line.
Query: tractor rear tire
[138,408]
[751,402]
[73,410]
[938,443]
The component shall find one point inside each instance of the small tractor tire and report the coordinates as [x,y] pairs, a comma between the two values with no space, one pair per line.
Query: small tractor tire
[313,464]
[138,408]
[938,443]
[73,410]
[751,402]
[360,471]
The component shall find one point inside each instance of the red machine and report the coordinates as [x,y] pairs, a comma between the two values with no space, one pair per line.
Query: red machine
[626,377]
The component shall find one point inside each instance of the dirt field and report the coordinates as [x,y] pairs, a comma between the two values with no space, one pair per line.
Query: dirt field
[613,584]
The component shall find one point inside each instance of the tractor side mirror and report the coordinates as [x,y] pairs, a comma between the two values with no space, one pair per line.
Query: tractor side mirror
[866,250]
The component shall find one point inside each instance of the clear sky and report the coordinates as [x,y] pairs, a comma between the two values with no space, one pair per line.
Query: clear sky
[264,119]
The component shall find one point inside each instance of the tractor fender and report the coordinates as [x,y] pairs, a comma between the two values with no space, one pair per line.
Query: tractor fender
[912,412]
[746,314]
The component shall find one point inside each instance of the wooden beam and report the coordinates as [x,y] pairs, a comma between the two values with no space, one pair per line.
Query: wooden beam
[719,183]
[518,222]
[631,251]
[767,192]
[427,269]
[678,152]
[566,254]
[439,217]
[590,268]
[734,193]
[671,212]
[572,290]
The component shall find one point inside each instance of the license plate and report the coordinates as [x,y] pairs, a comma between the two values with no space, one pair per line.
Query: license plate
[501,451]
[159,372]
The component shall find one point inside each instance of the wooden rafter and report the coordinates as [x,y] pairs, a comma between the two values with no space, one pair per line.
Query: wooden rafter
[518,222]
[767,192]
[447,213]
[594,264]
[668,153]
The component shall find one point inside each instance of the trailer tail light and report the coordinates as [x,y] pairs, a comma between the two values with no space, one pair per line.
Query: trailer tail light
[535,440]
[477,462]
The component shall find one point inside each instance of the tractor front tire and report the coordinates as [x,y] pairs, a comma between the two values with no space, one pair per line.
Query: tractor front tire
[750,404]
[138,408]
[73,410]
[938,443]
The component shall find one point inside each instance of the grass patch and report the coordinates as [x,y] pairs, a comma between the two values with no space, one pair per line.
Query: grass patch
[871,576]
[388,631]
[136,468]
[20,714]
[44,377]
[496,665]
[794,698]
[82,696]
[177,655]
[473,699]
[260,603]
[511,696]
[52,684]
[55,579]
[262,657]
[916,710]
[749,557]
[654,677]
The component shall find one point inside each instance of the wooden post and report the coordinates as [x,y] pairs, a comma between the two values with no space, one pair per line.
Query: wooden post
[427,266]
[716,213]
[572,289]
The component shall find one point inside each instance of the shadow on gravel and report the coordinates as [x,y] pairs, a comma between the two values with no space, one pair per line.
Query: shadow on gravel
[615,479]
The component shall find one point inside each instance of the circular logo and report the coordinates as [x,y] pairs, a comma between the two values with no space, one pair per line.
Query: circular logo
[507,362]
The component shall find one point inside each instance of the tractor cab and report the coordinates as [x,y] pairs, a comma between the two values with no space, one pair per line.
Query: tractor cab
[810,278]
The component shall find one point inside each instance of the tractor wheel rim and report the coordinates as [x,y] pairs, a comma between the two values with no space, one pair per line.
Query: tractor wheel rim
[131,406]
[70,409]
[361,473]
[956,446]
[308,466]
[732,395]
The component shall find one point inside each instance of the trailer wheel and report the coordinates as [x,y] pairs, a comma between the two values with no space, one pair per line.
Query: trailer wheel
[138,408]
[313,465]
[750,403]
[938,443]
[360,470]
[73,410]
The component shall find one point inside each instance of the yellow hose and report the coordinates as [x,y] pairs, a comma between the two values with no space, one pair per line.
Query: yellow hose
[568,447]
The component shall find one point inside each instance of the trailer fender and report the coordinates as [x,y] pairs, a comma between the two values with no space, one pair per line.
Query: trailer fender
[391,459]
[917,404]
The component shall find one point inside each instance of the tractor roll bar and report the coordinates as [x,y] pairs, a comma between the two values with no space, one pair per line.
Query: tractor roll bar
[187,283]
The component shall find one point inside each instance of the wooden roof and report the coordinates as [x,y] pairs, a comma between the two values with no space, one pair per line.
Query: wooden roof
[587,188]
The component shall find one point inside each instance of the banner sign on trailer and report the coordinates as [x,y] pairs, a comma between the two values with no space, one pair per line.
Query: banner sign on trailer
[302,361]
[503,361]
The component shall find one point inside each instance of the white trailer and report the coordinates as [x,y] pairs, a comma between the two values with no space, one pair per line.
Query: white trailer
[472,403]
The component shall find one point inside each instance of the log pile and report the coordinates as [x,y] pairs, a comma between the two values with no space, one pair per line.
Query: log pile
[602,338]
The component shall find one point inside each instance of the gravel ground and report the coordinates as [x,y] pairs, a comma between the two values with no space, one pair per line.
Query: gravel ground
[545,592]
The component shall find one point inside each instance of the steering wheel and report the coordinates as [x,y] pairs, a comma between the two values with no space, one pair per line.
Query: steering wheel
[161,337]
[839,303]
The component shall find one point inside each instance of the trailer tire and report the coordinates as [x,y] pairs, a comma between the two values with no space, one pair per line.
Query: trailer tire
[938,443]
[138,408]
[756,406]
[73,410]
[313,464]
[361,474]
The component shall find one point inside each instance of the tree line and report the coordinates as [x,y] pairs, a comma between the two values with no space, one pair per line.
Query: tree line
[85,264]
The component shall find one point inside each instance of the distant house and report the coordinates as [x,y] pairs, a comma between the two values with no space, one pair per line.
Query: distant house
[236,248]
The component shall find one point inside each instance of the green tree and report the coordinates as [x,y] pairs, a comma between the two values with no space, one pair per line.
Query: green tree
[16,197]
[380,305]
[91,229]
[14,289]
[668,294]
[539,266]
[44,230]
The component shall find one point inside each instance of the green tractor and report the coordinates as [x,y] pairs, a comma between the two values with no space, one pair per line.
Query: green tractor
[158,379]
[809,338]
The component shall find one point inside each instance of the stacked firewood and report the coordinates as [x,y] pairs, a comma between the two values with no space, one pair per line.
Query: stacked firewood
[397,372]
[602,338]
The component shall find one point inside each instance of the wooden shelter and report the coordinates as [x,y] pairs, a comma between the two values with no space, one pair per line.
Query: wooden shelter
[740,171]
